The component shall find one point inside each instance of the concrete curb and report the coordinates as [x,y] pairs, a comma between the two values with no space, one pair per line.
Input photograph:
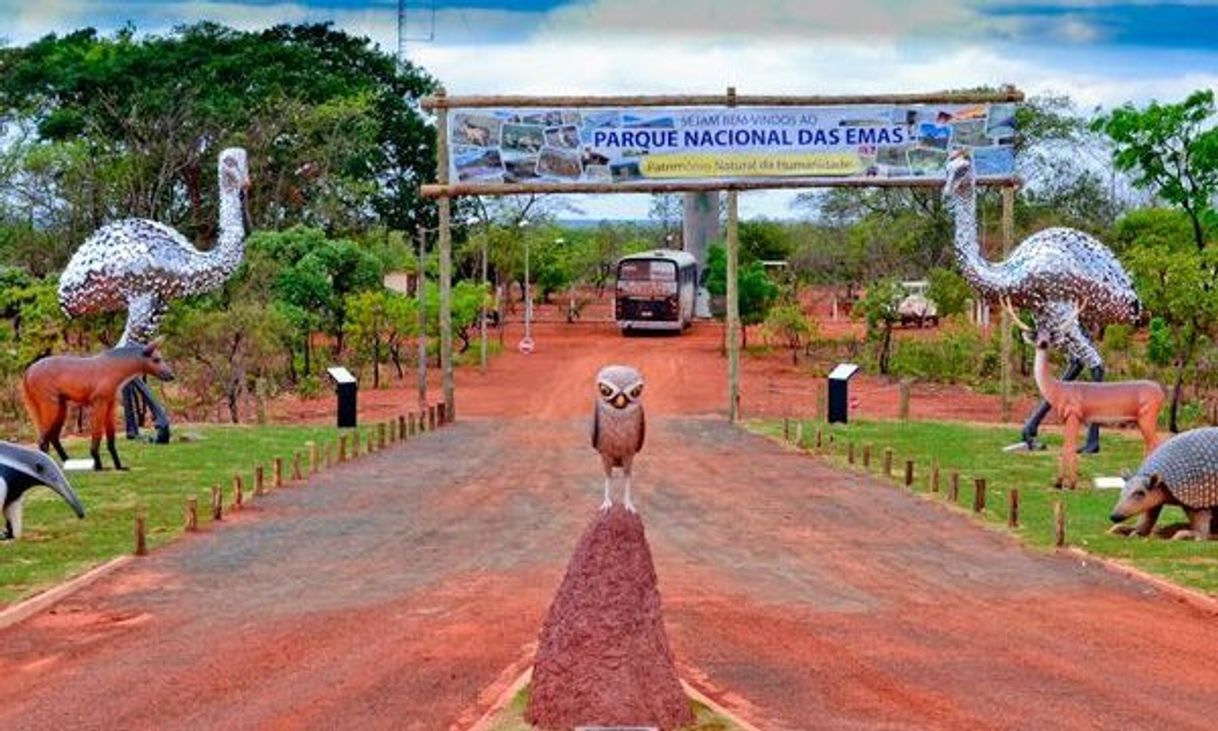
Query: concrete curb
[24,610]
[1196,599]
[505,697]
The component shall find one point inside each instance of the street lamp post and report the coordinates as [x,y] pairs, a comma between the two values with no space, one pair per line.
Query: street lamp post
[486,235]
[526,343]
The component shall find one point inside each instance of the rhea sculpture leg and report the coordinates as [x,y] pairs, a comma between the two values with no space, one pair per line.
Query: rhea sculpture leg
[1093,430]
[134,392]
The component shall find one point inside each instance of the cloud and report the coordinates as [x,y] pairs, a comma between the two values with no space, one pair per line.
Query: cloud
[679,46]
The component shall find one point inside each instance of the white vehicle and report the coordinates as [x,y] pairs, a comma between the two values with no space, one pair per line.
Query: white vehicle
[656,290]
[916,308]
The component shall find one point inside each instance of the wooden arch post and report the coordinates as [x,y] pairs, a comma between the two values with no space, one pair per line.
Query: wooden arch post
[1008,238]
[733,294]
[446,262]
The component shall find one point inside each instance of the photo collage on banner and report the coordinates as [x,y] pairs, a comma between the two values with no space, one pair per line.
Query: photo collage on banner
[721,143]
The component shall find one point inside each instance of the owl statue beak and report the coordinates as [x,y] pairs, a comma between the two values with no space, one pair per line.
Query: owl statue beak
[619,401]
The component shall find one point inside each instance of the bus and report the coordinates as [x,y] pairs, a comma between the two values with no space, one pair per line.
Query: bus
[656,290]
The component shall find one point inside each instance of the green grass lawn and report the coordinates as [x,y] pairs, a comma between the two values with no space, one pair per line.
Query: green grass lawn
[976,451]
[56,545]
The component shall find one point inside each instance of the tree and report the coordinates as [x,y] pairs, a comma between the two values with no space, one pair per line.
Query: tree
[757,292]
[331,122]
[788,323]
[948,290]
[667,211]
[881,308]
[222,350]
[1177,283]
[306,270]
[765,240]
[1172,150]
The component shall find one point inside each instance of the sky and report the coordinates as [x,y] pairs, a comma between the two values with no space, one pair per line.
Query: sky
[1100,53]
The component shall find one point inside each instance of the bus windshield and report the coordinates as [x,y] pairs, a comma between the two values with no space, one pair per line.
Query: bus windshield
[647,270]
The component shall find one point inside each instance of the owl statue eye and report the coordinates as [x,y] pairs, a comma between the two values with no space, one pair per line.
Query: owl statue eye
[606,391]
[636,391]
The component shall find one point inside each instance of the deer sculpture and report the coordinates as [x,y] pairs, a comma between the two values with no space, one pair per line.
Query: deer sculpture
[51,383]
[1080,402]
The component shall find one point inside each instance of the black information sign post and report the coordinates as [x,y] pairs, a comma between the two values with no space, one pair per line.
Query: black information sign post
[347,388]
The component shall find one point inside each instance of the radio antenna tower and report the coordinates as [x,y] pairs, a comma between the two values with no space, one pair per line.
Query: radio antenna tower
[404,11]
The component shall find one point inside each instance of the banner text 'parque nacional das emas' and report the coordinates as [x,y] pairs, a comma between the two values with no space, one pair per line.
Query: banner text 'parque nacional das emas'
[726,143]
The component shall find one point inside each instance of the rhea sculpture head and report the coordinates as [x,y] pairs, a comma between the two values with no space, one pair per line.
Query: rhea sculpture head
[234,170]
[959,170]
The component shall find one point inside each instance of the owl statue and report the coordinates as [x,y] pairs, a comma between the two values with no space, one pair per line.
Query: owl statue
[617,424]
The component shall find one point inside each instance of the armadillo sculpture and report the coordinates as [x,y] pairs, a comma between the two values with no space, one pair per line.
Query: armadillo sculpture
[1181,471]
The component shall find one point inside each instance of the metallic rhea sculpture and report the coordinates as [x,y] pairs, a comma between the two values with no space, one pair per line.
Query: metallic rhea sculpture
[22,468]
[618,426]
[1047,273]
[141,265]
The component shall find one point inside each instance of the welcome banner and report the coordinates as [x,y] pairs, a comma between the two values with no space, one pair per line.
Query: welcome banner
[726,143]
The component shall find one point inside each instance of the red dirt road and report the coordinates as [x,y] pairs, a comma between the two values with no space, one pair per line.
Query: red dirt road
[687,375]
[392,592]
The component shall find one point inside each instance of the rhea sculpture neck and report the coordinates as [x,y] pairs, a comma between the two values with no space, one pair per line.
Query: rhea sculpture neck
[976,269]
[229,248]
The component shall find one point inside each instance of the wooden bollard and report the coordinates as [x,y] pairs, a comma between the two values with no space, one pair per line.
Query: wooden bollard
[314,457]
[141,541]
[278,479]
[431,418]
[217,503]
[1013,508]
[238,492]
[979,495]
[259,481]
[909,473]
[903,399]
[866,456]
[297,474]
[401,427]
[786,429]
[850,452]
[1059,523]
[380,435]
[953,487]
[441,414]
[355,442]
[799,434]
[192,514]
[934,476]
[342,449]
[820,440]
[888,461]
